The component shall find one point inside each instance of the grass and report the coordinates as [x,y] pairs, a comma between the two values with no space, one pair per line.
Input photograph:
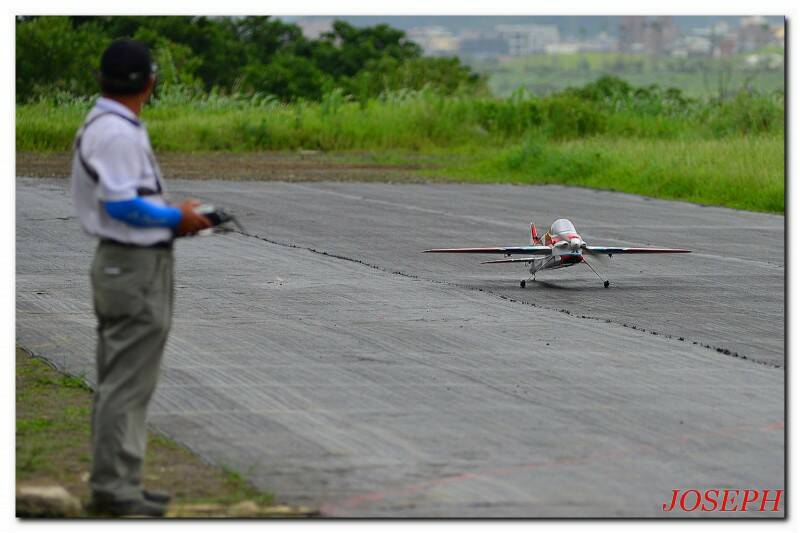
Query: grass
[411,123]
[607,135]
[411,120]
[53,444]
[744,173]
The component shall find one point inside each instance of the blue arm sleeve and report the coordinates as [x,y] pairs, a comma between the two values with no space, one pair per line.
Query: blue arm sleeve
[141,213]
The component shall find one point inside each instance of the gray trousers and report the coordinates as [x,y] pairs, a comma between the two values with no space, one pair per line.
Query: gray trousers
[133,298]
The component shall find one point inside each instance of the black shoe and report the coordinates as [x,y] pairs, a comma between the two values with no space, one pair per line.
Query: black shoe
[156,496]
[140,507]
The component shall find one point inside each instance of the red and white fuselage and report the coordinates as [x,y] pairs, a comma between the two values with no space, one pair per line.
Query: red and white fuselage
[565,242]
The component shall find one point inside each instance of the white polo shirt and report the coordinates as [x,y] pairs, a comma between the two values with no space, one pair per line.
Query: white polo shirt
[113,161]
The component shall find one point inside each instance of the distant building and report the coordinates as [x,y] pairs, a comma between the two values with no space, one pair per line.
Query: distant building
[602,42]
[720,28]
[660,35]
[779,34]
[753,33]
[482,44]
[697,46]
[654,35]
[562,48]
[680,52]
[434,40]
[631,33]
[725,47]
[767,61]
[526,39]
[723,40]
[700,32]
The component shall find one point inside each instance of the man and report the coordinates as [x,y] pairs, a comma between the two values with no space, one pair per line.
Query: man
[119,197]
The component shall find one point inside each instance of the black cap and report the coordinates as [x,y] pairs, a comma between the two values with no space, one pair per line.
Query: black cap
[125,67]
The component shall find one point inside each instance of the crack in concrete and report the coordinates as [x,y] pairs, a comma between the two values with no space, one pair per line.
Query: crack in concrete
[50,219]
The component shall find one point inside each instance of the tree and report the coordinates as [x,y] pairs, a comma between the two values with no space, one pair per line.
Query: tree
[234,53]
[51,54]
[286,76]
[345,50]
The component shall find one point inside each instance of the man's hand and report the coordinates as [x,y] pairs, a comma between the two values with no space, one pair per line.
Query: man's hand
[191,222]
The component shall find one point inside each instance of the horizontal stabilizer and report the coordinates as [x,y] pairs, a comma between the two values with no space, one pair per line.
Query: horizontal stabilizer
[508,250]
[514,260]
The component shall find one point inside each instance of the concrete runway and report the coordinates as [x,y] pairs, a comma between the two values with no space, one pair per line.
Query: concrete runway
[325,358]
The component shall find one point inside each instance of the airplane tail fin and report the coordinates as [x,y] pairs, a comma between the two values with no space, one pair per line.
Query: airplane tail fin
[534,235]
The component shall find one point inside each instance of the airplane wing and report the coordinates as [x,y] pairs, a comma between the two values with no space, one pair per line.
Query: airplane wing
[610,250]
[507,250]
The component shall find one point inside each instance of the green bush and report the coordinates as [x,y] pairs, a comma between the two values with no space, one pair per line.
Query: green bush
[508,117]
[569,117]
[443,75]
[747,114]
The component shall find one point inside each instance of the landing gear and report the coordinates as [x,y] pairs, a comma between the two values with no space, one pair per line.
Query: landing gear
[606,283]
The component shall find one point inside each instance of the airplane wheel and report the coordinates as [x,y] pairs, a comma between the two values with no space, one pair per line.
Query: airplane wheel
[606,284]
[522,284]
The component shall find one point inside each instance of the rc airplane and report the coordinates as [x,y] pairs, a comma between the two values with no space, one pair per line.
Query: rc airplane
[560,247]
